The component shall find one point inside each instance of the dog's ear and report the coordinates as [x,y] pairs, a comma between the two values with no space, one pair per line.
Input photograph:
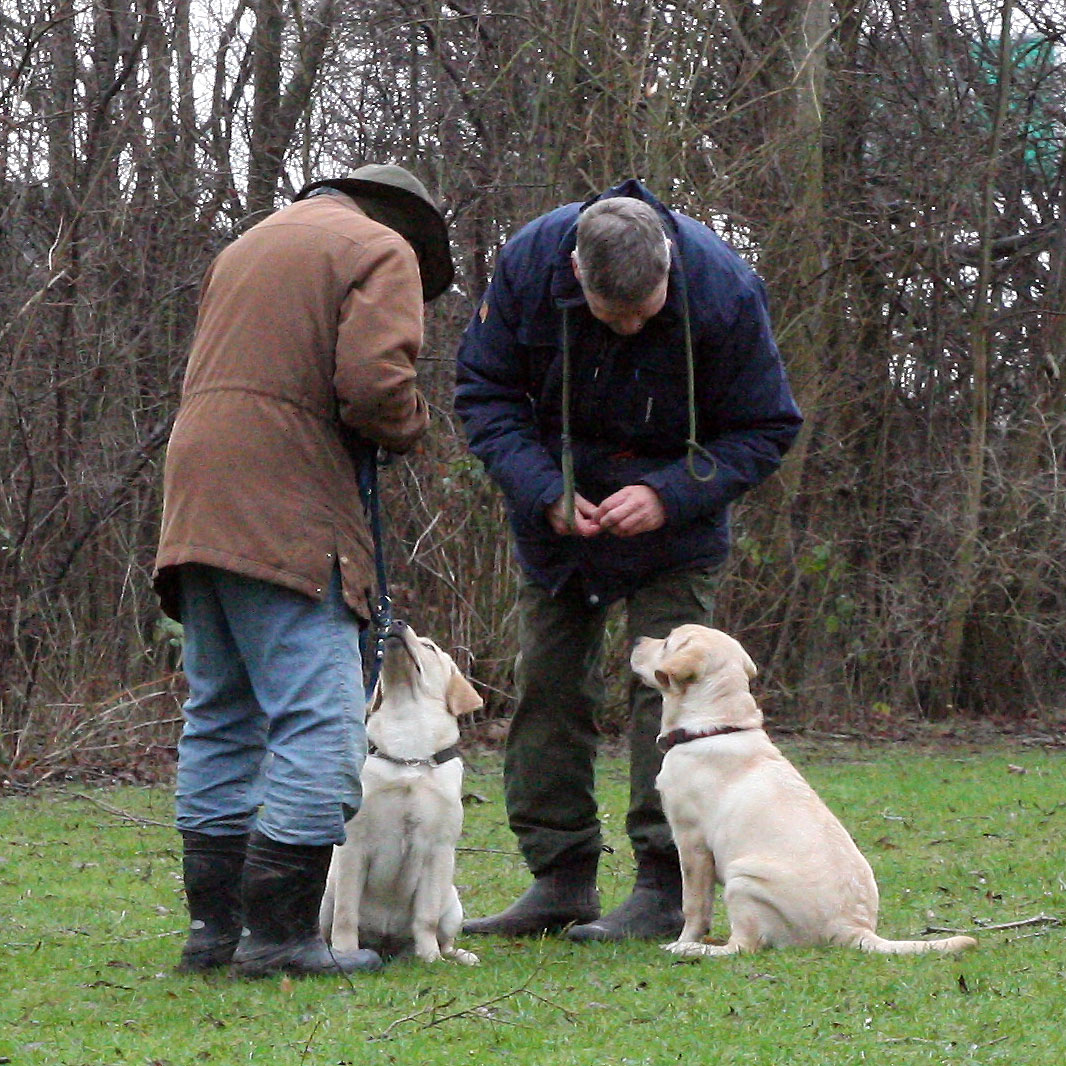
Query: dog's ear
[679,669]
[749,666]
[375,698]
[461,697]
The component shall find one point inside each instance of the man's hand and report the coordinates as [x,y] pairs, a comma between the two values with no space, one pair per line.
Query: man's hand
[584,524]
[631,510]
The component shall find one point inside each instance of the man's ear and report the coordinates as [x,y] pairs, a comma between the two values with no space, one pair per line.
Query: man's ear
[575,266]
[679,670]
[461,697]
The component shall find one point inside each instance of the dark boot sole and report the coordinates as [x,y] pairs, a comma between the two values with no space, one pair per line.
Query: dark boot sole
[525,927]
[309,958]
[595,932]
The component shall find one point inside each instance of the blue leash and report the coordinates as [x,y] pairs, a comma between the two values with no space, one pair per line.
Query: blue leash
[381,615]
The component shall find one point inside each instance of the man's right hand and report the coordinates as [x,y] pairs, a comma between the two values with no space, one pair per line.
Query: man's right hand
[584,524]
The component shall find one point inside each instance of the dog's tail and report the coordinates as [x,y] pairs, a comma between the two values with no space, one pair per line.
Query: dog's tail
[948,945]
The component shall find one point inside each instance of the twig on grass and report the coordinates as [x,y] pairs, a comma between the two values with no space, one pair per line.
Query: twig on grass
[136,819]
[307,1044]
[482,1008]
[990,1043]
[387,1032]
[478,1010]
[907,1040]
[1040,919]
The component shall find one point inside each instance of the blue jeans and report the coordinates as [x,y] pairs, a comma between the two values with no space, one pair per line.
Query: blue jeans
[274,733]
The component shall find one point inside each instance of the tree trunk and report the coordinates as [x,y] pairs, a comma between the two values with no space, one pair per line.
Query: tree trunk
[965,566]
[265,146]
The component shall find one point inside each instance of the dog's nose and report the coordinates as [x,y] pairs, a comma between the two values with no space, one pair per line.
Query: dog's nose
[397,627]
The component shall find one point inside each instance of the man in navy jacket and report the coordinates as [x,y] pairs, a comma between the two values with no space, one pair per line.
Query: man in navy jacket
[657,335]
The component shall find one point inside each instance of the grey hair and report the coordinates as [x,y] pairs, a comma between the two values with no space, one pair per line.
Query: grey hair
[622,251]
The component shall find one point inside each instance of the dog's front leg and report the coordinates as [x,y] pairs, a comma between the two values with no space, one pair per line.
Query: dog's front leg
[429,903]
[348,888]
[697,894]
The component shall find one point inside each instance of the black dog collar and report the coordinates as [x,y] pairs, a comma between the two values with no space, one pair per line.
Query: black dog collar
[682,736]
[435,759]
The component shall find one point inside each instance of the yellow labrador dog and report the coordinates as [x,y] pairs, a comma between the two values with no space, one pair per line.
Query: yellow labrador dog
[390,885]
[742,815]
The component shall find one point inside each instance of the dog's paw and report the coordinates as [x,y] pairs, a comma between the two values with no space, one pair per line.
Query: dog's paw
[464,958]
[686,950]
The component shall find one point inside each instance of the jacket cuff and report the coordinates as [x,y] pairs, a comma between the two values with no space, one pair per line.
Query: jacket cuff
[678,506]
[545,499]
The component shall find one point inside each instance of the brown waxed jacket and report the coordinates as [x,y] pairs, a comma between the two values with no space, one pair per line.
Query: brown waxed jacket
[308,329]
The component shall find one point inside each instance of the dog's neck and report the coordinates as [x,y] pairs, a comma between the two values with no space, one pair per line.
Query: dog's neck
[412,733]
[707,711]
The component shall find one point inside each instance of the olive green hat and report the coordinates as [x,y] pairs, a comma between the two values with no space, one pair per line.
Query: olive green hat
[419,219]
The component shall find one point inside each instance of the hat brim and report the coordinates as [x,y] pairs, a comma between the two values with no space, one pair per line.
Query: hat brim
[427,231]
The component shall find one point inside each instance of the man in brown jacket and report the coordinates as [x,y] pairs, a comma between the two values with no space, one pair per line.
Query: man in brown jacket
[303,360]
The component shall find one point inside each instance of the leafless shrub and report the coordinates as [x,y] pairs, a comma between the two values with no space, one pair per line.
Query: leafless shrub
[853,151]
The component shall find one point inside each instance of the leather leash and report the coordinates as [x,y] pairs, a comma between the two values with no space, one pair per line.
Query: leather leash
[381,615]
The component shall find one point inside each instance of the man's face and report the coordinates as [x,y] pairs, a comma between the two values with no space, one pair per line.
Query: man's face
[623,318]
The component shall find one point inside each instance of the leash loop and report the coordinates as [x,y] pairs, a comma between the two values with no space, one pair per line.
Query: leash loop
[692,445]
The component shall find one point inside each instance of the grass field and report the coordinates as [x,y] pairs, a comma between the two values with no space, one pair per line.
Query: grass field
[91,906]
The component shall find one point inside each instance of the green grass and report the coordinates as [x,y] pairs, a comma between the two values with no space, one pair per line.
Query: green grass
[92,922]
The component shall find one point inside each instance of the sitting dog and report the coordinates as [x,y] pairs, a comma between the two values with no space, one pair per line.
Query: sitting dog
[741,814]
[390,885]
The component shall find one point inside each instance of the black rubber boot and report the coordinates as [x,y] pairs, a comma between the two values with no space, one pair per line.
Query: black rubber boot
[282,891]
[652,911]
[557,898]
[212,867]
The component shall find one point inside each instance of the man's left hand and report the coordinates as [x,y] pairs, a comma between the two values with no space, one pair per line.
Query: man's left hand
[632,510]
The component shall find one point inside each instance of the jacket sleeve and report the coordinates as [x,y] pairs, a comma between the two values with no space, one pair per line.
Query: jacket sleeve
[747,419]
[379,334]
[493,401]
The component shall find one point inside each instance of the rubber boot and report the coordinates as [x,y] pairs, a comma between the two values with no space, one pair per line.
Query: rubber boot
[652,911]
[282,890]
[557,898]
[211,866]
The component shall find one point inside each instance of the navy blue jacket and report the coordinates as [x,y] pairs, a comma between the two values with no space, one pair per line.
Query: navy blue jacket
[629,401]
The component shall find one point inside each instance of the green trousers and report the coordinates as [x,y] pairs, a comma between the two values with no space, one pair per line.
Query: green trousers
[549,765]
